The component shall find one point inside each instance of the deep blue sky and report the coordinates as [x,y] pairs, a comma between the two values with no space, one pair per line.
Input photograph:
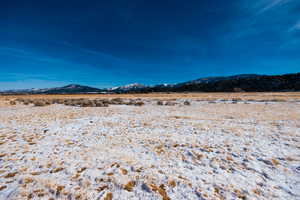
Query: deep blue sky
[109,43]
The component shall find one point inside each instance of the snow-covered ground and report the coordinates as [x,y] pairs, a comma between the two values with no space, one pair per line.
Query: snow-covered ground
[207,151]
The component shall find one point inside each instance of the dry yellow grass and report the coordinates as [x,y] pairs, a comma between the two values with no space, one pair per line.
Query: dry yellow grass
[43,100]
[129,186]
[201,96]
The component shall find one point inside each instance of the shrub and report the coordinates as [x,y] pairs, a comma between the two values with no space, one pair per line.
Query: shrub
[27,101]
[238,90]
[160,103]
[100,103]
[87,103]
[186,103]
[117,101]
[139,103]
[67,102]
[12,103]
[170,103]
[60,101]
[39,103]
[105,101]
[131,102]
[20,100]
[55,101]
[48,102]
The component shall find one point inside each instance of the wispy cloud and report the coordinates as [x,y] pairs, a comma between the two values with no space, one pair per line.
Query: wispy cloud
[276,16]
[82,50]
[296,27]
[266,5]
[256,8]
[26,54]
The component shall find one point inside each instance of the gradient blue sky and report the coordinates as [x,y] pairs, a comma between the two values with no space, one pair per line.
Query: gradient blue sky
[109,43]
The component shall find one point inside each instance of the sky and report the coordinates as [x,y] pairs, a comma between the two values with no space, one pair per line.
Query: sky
[103,44]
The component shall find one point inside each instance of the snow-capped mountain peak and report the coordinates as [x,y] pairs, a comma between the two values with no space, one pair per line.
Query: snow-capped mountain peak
[132,86]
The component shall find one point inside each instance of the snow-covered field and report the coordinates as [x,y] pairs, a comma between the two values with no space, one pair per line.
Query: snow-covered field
[222,150]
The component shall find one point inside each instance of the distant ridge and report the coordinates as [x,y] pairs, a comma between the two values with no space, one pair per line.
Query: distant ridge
[68,89]
[236,83]
[73,88]
[222,78]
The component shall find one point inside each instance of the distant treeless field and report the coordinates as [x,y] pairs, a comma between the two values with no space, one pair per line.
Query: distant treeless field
[255,96]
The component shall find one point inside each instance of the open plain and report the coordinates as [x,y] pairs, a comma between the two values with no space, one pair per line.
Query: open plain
[203,146]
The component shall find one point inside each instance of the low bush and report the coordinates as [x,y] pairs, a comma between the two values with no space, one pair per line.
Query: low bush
[117,101]
[170,103]
[139,103]
[160,103]
[39,103]
[12,103]
[186,103]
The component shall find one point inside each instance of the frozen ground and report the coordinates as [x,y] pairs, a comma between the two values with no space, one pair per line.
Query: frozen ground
[203,151]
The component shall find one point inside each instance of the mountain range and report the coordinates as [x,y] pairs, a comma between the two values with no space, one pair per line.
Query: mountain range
[237,83]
